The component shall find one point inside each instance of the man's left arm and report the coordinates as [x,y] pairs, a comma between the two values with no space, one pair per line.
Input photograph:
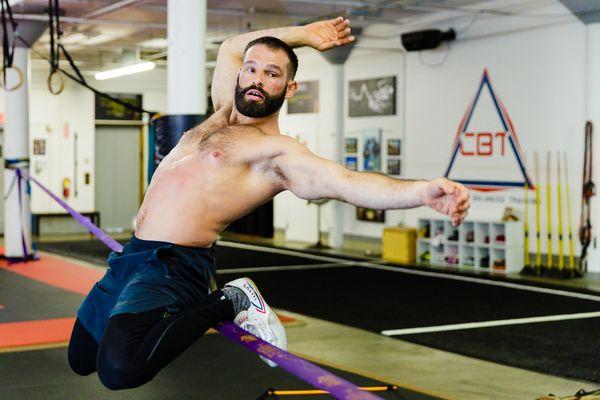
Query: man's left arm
[309,176]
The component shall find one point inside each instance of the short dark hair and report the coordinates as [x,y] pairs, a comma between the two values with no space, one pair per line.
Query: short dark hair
[277,44]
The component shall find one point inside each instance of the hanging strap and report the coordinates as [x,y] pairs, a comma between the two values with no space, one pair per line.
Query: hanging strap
[588,190]
[8,48]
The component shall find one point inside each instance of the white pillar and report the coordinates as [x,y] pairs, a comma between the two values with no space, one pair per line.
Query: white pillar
[592,87]
[17,221]
[186,76]
[336,234]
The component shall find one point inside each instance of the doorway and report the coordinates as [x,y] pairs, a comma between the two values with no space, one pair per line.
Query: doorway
[118,174]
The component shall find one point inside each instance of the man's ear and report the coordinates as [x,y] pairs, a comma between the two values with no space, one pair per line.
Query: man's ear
[292,87]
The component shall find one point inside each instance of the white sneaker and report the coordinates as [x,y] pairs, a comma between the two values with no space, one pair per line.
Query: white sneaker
[259,319]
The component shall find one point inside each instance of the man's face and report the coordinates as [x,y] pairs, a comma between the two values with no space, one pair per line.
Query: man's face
[262,85]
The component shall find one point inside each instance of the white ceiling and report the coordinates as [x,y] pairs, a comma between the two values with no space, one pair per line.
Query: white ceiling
[102,33]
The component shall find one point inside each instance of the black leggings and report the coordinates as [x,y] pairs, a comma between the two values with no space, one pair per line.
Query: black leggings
[136,346]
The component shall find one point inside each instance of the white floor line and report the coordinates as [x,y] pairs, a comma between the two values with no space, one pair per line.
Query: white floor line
[558,292]
[370,264]
[279,268]
[487,324]
[284,252]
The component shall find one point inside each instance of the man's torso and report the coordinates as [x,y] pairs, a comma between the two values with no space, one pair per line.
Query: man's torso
[205,183]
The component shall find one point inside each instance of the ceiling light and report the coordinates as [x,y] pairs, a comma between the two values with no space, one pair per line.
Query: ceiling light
[156,43]
[128,70]
[74,38]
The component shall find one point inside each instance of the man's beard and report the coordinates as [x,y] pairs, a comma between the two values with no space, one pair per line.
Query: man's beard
[254,109]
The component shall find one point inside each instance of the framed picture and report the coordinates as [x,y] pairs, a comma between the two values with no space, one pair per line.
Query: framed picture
[108,109]
[351,145]
[371,150]
[393,167]
[369,214]
[39,146]
[351,163]
[393,147]
[306,99]
[372,97]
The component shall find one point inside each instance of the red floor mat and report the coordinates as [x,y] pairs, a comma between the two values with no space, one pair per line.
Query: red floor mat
[58,273]
[28,333]
[61,274]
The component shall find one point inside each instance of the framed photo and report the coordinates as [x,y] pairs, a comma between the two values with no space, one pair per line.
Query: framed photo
[306,99]
[371,150]
[393,167]
[351,145]
[39,146]
[369,214]
[372,97]
[352,163]
[393,147]
[108,109]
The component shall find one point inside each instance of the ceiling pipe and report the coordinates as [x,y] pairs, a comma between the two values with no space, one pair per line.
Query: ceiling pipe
[110,8]
[92,21]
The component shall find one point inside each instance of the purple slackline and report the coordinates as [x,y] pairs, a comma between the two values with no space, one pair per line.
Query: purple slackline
[305,370]
[93,229]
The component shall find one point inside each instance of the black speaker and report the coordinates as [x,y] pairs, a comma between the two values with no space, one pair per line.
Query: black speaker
[427,39]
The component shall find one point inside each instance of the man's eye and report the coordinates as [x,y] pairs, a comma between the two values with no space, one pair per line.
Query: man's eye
[250,69]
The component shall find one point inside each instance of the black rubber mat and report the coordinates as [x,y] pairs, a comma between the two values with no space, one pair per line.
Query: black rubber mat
[564,348]
[377,300]
[212,369]
[94,251]
[24,299]
[232,257]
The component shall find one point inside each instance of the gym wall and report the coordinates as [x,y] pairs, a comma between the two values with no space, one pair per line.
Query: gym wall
[537,69]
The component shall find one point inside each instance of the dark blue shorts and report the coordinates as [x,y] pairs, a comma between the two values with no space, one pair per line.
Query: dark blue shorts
[145,276]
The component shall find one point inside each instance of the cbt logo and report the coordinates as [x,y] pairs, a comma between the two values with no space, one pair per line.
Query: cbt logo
[486,154]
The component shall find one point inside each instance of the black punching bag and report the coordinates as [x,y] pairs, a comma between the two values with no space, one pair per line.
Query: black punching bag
[168,129]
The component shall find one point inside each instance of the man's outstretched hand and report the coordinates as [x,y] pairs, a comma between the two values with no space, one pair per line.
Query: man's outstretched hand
[447,197]
[324,35]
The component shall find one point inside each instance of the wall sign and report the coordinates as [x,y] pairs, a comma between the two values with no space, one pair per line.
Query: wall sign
[486,154]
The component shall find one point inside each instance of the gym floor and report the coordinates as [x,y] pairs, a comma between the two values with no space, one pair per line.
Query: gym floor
[447,335]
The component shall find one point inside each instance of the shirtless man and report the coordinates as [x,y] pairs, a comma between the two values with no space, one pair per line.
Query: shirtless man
[156,298]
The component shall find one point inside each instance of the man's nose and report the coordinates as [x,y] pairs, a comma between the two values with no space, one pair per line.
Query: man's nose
[258,82]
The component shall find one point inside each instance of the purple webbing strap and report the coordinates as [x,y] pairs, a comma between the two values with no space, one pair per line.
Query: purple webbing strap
[93,229]
[307,371]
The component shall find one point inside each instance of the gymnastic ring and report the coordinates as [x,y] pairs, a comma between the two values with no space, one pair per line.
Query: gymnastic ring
[62,82]
[19,73]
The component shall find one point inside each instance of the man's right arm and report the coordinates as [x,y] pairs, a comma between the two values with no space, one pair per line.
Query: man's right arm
[321,35]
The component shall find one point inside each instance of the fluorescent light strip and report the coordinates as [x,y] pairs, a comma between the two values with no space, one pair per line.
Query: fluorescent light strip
[128,70]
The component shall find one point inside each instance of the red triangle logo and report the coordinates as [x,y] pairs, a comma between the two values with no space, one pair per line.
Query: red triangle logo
[486,154]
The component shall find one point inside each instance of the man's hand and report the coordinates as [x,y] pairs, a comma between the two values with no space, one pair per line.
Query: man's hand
[324,35]
[447,197]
